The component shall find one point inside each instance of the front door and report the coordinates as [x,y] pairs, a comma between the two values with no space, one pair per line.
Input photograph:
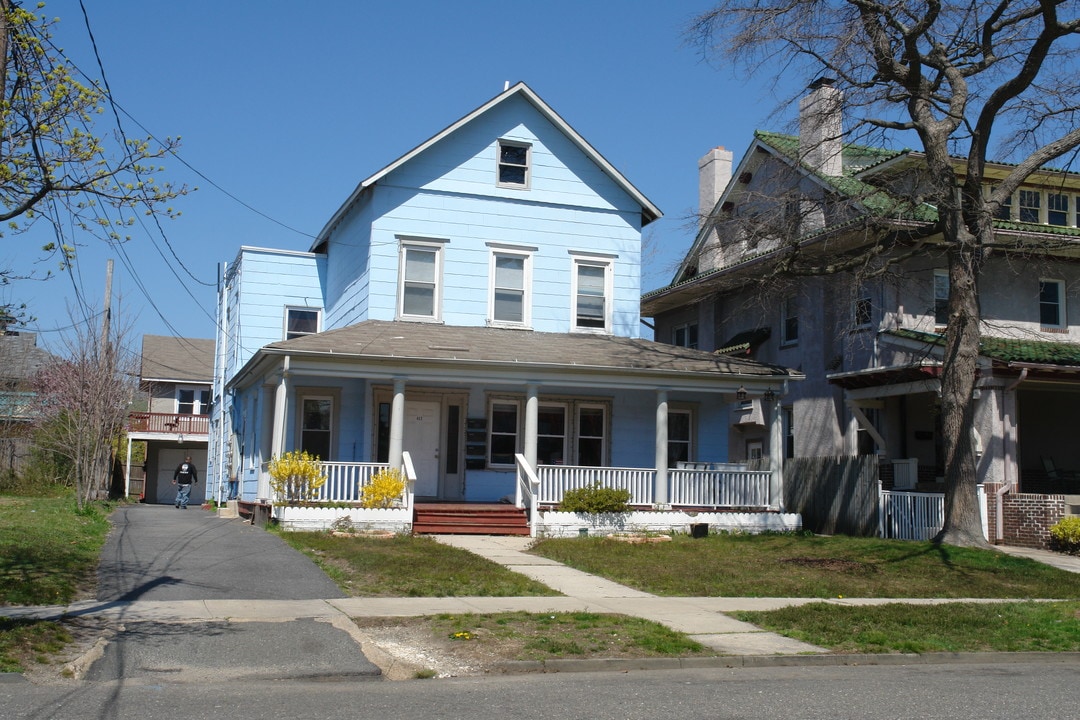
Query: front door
[422,443]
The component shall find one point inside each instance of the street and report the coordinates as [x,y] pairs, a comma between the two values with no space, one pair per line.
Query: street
[945,692]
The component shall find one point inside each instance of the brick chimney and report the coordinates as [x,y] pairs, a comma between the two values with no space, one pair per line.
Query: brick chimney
[714,173]
[821,128]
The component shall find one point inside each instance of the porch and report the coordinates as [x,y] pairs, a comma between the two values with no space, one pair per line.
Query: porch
[723,498]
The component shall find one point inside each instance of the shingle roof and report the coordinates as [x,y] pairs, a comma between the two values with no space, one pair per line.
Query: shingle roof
[172,359]
[20,356]
[423,341]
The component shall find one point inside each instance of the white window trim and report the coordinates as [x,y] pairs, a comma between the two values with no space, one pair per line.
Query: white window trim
[607,262]
[313,393]
[430,245]
[1063,318]
[574,433]
[568,432]
[526,254]
[499,163]
[197,403]
[519,425]
[303,308]
[691,450]
[685,328]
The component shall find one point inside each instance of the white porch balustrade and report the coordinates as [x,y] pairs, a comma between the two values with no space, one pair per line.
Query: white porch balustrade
[345,479]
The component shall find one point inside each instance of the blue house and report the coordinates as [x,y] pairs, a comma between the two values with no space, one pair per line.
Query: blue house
[473,307]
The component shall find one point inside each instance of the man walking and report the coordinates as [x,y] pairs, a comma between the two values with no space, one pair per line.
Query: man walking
[184,477]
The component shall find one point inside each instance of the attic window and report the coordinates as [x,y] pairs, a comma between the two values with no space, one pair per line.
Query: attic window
[728,206]
[746,178]
[514,164]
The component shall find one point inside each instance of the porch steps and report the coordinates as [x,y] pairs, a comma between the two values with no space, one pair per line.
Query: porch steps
[1072,505]
[469,519]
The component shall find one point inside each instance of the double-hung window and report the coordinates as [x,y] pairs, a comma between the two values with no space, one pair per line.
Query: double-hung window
[514,164]
[1030,206]
[567,433]
[420,280]
[192,401]
[551,429]
[503,435]
[862,308]
[592,290]
[941,298]
[301,321]
[679,434]
[1057,209]
[591,435]
[509,293]
[685,335]
[1052,303]
[789,321]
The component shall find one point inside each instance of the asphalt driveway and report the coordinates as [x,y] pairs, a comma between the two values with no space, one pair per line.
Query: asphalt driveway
[157,552]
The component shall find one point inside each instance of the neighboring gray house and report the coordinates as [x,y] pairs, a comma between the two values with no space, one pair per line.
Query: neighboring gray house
[176,375]
[20,360]
[871,350]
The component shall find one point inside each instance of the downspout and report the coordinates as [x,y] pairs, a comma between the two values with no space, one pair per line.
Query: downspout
[999,494]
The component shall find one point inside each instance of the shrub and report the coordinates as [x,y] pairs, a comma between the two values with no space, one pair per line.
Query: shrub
[1065,535]
[595,499]
[295,477]
[385,487]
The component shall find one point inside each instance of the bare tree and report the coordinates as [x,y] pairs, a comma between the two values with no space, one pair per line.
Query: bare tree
[53,167]
[957,75]
[83,399]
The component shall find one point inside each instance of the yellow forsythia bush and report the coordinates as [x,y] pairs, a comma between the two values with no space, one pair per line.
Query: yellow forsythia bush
[1065,535]
[295,477]
[385,487]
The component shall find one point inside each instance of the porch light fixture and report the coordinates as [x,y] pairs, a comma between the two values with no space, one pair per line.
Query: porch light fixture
[740,394]
[769,395]
[180,440]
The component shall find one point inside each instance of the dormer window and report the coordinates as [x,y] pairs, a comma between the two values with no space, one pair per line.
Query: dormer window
[300,321]
[514,164]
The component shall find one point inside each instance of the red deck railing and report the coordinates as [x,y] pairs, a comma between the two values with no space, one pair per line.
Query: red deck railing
[169,423]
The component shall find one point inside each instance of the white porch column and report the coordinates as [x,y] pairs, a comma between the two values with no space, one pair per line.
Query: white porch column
[776,453]
[532,422]
[277,445]
[660,493]
[397,423]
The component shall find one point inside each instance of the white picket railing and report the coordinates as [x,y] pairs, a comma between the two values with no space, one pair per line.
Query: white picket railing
[557,479]
[910,515]
[719,488]
[345,479]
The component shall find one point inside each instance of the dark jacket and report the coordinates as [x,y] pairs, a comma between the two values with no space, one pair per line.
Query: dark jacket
[185,473]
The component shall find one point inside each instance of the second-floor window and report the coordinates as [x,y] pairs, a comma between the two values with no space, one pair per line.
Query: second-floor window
[192,401]
[862,308]
[301,321]
[941,297]
[420,282]
[685,335]
[592,288]
[1052,303]
[509,301]
[789,321]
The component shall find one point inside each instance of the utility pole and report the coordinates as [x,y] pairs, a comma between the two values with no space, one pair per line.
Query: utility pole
[106,316]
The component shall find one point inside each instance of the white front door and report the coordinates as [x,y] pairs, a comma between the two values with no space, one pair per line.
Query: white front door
[422,443]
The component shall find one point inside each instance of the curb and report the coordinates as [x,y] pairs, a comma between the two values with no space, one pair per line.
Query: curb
[768,661]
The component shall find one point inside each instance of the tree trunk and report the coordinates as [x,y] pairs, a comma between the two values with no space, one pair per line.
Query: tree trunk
[963,522]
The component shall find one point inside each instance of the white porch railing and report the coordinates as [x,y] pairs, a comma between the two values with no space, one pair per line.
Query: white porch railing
[344,480]
[720,488]
[528,485]
[910,515]
[557,479]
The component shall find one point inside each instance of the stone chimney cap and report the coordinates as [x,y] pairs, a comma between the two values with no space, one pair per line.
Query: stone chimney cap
[822,82]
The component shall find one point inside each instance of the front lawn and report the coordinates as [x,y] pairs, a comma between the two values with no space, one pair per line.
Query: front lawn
[788,565]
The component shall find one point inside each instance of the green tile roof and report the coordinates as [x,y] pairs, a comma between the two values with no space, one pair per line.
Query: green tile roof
[1021,350]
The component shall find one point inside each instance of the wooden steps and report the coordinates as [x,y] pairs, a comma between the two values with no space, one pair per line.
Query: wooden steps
[469,519]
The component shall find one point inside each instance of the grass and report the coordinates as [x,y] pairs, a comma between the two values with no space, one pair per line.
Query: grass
[541,636]
[407,566]
[776,565]
[23,641]
[952,627]
[48,550]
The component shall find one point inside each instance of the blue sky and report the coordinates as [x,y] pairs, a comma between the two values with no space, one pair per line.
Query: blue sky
[285,106]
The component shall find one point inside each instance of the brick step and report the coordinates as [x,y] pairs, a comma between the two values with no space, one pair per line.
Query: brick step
[456,529]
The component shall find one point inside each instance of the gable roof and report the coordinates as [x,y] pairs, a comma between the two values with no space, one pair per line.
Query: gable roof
[649,211]
[20,356]
[173,359]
